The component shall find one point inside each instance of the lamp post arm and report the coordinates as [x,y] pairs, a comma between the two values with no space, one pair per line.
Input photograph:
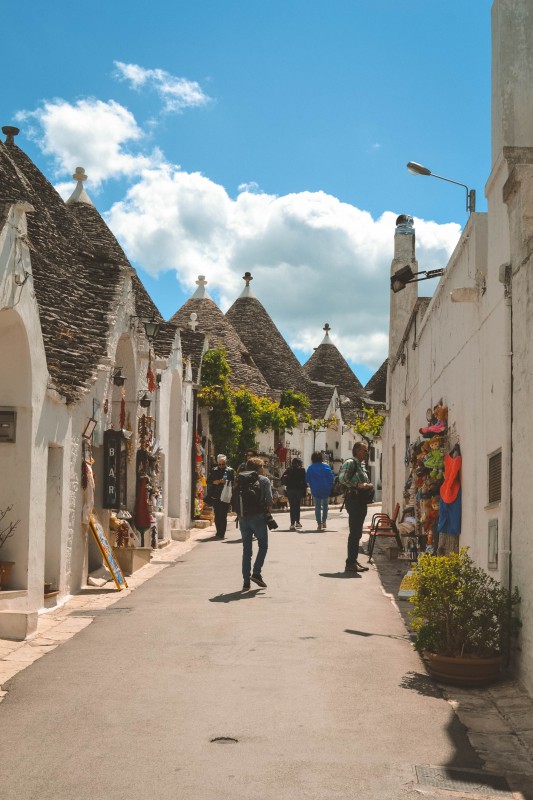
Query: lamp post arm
[470,193]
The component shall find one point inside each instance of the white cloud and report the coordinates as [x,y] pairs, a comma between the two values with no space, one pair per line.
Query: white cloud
[92,134]
[313,257]
[177,93]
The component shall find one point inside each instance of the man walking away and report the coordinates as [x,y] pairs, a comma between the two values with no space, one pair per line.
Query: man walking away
[320,478]
[296,486]
[354,477]
[252,502]
[218,477]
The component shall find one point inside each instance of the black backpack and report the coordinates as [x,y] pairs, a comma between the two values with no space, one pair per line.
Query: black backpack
[247,497]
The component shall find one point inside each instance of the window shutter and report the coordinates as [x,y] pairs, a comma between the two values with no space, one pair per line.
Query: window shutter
[495,477]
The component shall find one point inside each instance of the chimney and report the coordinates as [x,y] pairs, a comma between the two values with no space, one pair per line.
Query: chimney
[402,303]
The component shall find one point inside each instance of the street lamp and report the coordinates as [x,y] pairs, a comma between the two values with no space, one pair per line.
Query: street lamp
[406,275]
[418,169]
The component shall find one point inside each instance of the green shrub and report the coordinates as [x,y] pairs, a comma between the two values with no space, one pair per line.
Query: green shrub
[459,610]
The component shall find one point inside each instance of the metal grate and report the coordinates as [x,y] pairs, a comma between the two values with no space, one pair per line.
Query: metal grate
[464,780]
[495,477]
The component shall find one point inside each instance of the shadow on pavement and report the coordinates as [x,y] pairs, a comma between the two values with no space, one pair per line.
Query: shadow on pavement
[233,541]
[209,539]
[229,598]
[405,638]
[421,684]
[345,575]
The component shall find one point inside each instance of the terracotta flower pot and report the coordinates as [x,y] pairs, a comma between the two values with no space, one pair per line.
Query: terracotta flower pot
[471,671]
[5,573]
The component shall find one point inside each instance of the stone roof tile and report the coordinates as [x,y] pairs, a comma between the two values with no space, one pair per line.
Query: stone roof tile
[220,332]
[77,290]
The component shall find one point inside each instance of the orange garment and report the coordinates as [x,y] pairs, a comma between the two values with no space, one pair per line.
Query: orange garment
[452,481]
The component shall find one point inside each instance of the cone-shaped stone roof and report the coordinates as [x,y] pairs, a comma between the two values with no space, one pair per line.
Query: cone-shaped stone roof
[278,364]
[107,246]
[221,333]
[377,385]
[327,364]
[77,288]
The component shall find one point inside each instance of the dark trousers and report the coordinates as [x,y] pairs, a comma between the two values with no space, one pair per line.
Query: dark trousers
[294,496]
[356,509]
[221,517]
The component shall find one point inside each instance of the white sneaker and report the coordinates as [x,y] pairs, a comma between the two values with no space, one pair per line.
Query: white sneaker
[292,528]
[297,524]
[323,526]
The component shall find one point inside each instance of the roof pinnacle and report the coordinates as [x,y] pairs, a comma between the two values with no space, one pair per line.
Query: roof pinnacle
[247,291]
[326,339]
[10,132]
[79,195]
[201,283]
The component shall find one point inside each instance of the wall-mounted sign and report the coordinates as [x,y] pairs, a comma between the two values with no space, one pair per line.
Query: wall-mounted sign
[115,470]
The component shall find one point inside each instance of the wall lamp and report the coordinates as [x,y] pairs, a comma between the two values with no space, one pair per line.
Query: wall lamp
[145,401]
[151,328]
[406,275]
[418,169]
[118,378]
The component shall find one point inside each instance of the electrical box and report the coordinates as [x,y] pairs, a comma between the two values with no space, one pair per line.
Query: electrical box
[8,425]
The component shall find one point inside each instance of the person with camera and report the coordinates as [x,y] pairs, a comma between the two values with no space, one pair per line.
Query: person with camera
[359,492]
[252,498]
[220,475]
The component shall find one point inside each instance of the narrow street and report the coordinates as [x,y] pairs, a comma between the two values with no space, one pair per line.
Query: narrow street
[314,677]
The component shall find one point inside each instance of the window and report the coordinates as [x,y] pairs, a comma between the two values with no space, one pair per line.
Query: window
[495,477]
[372,456]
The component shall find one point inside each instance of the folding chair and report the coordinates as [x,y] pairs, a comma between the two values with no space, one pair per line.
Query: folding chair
[383,525]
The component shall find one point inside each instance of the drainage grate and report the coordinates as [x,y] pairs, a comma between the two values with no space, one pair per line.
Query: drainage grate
[223,740]
[463,780]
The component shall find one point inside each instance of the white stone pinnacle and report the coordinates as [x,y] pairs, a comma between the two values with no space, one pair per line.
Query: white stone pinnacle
[79,195]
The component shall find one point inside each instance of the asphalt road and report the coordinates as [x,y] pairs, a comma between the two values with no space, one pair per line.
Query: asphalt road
[314,677]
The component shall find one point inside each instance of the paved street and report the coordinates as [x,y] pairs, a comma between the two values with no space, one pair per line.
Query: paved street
[314,677]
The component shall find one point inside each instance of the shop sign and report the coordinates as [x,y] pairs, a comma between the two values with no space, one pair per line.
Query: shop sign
[115,470]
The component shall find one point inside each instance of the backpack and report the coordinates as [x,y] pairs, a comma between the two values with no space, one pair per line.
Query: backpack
[247,497]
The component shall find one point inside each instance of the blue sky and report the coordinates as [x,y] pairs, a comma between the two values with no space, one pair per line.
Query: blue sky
[269,136]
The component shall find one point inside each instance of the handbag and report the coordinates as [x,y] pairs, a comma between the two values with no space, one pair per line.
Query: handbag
[226,492]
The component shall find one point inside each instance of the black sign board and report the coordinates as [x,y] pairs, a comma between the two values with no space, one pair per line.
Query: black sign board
[115,470]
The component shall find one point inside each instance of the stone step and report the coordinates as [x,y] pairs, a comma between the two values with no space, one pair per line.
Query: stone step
[180,534]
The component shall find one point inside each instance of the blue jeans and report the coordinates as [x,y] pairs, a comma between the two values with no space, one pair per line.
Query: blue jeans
[254,524]
[321,508]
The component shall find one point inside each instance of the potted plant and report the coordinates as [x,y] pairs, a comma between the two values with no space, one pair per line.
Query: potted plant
[463,619]
[7,529]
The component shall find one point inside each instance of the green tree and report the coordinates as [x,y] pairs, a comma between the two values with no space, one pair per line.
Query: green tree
[369,425]
[224,423]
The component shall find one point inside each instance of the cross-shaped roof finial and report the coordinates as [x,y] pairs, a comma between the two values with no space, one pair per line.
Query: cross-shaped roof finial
[201,281]
[326,328]
[247,277]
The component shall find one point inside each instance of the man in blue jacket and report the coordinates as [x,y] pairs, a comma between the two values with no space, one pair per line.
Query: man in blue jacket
[320,478]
